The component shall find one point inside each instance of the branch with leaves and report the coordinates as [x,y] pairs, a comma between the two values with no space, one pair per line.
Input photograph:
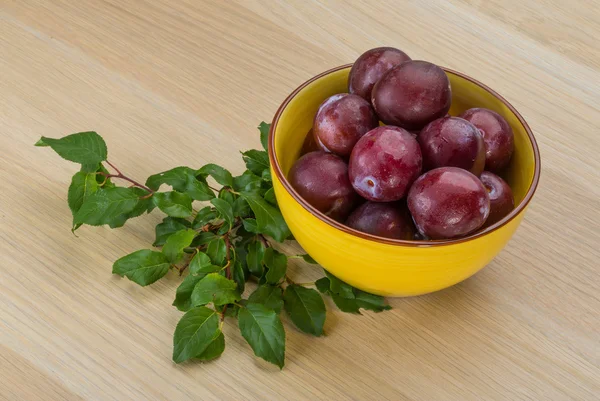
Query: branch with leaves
[217,248]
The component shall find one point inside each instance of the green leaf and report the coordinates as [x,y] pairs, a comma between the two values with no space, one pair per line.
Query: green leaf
[264,128]
[241,208]
[352,305]
[371,302]
[183,296]
[269,219]
[266,175]
[323,285]
[204,238]
[340,288]
[182,179]
[268,295]
[247,182]
[194,333]
[216,289]
[237,273]
[256,161]
[41,143]
[176,177]
[214,349]
[219,174]
[198,189]
[142,267]
[224,209]
[176,243]
[90,168]
[308,259]
[262,329]
[203,217]
[201,264]
[270,197]
[82,186]
[254,258]
[103,181]
[217,251]
[306,308]
[143,205]
[226,195]
[168,226]
[232,310]
[251,225]
[106,204]
[345,304]
[276,262]
[83,147]
[174,204]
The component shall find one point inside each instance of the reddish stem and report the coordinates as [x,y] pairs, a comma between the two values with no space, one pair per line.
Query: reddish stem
[227,268]
[263,240]
[124,177]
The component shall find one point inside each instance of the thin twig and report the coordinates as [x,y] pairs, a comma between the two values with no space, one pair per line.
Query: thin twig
[124,177]
[227,267]
[264,240]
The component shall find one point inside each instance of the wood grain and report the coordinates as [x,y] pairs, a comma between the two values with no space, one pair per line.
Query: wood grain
[154,76]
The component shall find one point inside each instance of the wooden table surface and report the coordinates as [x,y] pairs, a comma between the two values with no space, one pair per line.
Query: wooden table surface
[171,83]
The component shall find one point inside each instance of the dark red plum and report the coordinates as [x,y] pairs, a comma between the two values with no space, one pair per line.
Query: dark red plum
[390,220]
[412,94]
[309,145]
[341,121]
[453,142]
[497,135]
[448,202]
[384,163]
[321,179]
[501,197]
[370,67]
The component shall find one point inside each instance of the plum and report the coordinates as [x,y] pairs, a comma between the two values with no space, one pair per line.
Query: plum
[454,142]
[501,197]
[390,220]
[448,202]
[341,121]
[321,179]
[412,94]
[497,135]
[370,67]
[384,163]
[309,144]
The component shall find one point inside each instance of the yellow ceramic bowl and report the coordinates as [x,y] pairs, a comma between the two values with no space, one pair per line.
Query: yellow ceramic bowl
[380,265]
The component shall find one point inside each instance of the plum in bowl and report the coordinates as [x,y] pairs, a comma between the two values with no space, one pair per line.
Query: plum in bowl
[386,266]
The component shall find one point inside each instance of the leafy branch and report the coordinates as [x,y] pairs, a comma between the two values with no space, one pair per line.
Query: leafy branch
[222,246]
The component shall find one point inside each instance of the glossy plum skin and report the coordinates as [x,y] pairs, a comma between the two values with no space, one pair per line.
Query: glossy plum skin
[321,179]
[454,142]
[501,197]
[497,135]
[384,163]
[390,220]
[370,67]
[412,94]
[309,144]
[341,121]
[448,202]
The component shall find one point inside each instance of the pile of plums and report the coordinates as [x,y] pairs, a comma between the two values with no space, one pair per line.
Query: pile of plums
[422,175]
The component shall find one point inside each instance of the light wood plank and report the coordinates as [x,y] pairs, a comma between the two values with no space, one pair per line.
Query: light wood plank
[154,76]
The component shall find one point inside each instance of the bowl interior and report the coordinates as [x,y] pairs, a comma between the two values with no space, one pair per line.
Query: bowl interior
[299,110]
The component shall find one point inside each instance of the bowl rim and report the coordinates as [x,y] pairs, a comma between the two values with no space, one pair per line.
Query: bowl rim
[411,243]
